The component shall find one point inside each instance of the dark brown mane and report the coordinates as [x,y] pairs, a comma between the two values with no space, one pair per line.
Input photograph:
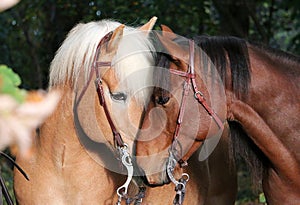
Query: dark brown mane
[161,77]
[226,52]
[232,51]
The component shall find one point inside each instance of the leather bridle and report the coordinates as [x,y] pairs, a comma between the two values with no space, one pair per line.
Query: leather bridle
[190,81]
[173,156]
[98,83]
[120,146]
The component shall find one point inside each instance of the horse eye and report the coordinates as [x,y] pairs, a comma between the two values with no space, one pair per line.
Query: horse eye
[162,100]
[118,96]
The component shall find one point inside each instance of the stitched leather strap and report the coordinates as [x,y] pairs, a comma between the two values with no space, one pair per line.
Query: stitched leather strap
[100,91]
[190,81]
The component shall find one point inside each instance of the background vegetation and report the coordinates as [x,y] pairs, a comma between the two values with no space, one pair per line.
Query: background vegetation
[33,30]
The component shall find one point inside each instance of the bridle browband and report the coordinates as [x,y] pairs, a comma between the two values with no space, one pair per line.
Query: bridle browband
[173,156]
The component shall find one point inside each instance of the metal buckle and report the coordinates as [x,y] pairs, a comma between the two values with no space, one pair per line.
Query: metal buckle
[198,92]
[98,81]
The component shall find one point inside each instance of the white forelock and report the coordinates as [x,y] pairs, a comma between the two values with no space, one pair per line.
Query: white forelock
[132,62]
[77,51]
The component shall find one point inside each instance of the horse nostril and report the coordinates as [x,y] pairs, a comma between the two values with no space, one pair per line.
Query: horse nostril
[161,100]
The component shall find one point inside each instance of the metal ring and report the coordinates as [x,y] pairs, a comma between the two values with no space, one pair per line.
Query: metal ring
[98,81]
[118,191]
[125,146]
[183,185]
[126,160]
[185,177]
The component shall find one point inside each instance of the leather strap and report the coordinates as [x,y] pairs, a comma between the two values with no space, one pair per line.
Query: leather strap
[198,94]
[100,91]
[190,81]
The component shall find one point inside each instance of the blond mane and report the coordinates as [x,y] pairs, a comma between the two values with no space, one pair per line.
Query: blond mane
[78,50]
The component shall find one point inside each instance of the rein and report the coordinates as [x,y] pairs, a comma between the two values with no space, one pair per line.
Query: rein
[3,185]
[173,152]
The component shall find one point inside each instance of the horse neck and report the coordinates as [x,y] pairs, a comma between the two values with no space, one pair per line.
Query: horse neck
[59,129]
[57,137]
[273,98]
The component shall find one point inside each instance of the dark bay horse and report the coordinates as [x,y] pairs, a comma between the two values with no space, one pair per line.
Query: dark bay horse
[262,104]
[216,173]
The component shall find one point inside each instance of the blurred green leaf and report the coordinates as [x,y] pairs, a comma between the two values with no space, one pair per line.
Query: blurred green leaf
[9,82]
[262,198]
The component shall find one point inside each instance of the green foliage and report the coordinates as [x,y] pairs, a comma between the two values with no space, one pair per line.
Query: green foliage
[9,82]
[7,173]
[35,29]
[262,198]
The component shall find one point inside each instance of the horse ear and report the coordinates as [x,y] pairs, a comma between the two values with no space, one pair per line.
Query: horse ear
[175,51]
[167,32]
[149,25]
[115,39]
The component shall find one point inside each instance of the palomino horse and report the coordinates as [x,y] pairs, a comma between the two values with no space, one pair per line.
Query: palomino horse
[262,96]
[73,157]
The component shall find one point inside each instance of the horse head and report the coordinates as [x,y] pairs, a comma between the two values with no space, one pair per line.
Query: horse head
[120,65]
[175,123]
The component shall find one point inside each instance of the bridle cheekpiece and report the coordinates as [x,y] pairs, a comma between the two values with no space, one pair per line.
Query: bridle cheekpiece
[173,152]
